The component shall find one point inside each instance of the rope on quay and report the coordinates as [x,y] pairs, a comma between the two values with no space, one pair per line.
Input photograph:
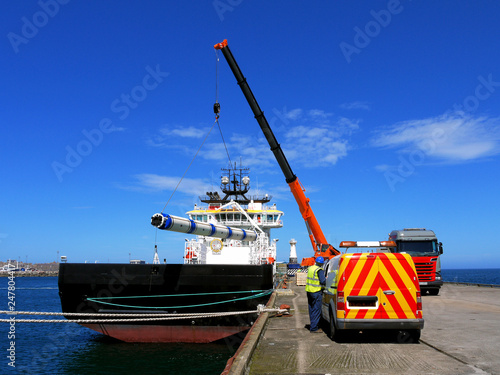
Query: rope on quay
[137,317]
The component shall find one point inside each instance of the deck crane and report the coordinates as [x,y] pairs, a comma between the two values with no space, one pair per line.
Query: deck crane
[320,245]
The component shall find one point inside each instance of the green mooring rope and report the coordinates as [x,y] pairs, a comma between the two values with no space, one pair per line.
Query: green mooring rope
[260,294]
[184,295]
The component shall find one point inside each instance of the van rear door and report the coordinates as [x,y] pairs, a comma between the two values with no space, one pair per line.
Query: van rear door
[361,286]
[398,287]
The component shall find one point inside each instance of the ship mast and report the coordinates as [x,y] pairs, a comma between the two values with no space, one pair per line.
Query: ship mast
[235,184]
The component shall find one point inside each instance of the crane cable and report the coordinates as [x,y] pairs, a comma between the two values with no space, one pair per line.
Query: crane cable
[217,104]
[216,112]
[194,157]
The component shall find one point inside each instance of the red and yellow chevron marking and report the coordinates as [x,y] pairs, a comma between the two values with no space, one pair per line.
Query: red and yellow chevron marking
[370,274]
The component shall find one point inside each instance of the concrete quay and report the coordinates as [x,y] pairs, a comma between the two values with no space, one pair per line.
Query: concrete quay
[461,336]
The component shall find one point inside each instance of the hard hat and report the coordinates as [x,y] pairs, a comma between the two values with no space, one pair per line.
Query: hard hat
[320,260]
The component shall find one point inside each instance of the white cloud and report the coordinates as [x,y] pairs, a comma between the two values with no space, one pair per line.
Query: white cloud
[319,113]
[356,105]
[155,182]
[383,168]
[189,132]
[310,138]
[318,139]
[451,137]
[293,114]
[168,136]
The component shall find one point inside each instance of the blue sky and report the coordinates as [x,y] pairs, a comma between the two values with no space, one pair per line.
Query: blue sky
[388,111]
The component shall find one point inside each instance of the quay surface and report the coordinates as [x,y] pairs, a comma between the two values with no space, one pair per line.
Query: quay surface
[461,336]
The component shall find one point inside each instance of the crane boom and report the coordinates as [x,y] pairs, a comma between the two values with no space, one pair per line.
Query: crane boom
[318,240]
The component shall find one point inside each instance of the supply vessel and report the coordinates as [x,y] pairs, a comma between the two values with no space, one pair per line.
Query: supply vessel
[227,272]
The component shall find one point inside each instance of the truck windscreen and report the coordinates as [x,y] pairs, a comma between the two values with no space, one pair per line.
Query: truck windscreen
[418,248]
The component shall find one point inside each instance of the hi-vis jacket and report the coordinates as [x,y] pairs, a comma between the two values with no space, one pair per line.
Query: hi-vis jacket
[313,284]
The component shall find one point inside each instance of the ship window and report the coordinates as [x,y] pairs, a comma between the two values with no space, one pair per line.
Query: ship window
[270,218]
[237,217]
[205,218]
[230,217]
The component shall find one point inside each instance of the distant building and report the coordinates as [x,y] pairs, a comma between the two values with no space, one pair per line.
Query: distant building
[137,261]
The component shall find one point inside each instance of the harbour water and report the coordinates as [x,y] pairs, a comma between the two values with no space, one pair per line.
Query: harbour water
[67,348]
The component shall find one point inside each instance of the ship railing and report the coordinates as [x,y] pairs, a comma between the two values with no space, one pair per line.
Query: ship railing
[255,198]
[245,221]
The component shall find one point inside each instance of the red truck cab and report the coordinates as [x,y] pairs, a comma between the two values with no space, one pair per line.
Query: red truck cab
[422,245]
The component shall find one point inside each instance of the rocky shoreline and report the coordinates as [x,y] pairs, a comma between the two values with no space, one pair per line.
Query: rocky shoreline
[30,274]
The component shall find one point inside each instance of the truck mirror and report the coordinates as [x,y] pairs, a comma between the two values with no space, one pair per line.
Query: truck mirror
[440,248]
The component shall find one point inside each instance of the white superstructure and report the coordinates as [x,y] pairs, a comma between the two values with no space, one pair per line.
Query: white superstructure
[234,210]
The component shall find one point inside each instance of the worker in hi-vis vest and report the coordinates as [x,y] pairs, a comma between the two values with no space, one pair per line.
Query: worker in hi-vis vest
[315,278]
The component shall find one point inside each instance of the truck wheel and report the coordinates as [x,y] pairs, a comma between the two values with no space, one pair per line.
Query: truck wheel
[333,330]
[433,292]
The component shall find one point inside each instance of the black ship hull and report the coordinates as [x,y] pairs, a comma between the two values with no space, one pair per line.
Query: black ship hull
[165,289]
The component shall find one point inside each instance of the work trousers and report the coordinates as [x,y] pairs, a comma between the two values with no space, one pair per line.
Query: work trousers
[314,302]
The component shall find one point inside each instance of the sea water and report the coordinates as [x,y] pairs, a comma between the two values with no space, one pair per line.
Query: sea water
[67,348]
[479,276]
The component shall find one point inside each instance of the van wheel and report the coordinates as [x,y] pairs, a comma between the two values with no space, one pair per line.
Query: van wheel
[415,334]
[408,336]
[333,330]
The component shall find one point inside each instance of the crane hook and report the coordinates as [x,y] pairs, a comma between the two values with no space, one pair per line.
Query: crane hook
[216,110]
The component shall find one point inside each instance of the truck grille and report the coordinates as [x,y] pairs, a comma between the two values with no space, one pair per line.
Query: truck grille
[425,271]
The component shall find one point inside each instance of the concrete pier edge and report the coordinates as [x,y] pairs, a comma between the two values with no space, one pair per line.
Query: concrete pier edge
[238,364]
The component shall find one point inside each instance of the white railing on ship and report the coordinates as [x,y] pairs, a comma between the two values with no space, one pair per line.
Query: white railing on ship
[246,222]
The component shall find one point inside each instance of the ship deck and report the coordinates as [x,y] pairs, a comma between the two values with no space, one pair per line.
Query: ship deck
[461,336]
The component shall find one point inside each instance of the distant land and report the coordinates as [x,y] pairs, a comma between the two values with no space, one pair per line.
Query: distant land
[29,269]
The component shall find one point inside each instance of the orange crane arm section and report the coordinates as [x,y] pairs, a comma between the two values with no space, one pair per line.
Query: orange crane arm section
[315,233]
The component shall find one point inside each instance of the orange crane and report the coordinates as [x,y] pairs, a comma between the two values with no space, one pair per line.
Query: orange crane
[319,243]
